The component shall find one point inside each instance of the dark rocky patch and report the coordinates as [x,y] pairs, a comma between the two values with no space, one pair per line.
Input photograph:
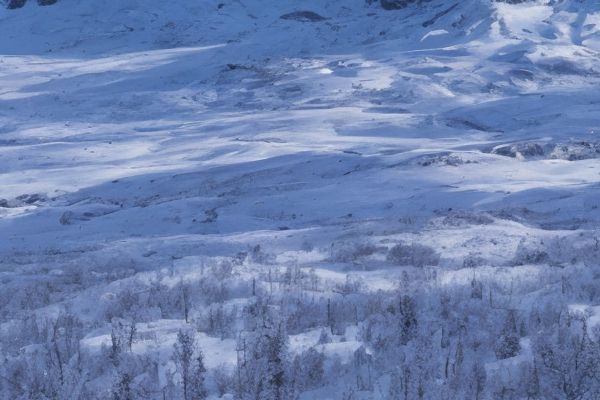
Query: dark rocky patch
[387,110]
[512,1]
[23,200]
[466,218]
[396,4]
[438,16]
[571,151]
[576,151]
[452,160]
[303,16]
[527,150]
[522,74]
[14,4]
[466,124]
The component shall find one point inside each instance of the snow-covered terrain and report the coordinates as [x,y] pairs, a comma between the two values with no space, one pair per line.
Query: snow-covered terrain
[408,199]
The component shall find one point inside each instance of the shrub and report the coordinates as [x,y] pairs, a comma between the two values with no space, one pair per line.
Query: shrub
[413,254]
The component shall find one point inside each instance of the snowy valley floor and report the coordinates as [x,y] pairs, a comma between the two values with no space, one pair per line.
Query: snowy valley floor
[378,204]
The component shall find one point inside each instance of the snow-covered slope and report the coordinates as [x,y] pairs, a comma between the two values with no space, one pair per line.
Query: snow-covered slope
[146,136]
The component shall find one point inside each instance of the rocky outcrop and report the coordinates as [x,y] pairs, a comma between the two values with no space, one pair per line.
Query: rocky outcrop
[303,16]
[569,151]
[396,4]
[512,1]
[14,4]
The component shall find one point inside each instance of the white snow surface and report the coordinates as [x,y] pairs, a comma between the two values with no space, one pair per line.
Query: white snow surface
[157,135]
[127,116]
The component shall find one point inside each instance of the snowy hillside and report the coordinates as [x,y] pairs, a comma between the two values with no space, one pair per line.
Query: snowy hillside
[329,199]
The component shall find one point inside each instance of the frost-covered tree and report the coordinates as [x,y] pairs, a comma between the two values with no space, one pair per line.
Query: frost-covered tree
[122,389]
[308,369]
[189,364]
[198,389]
[263,369]
[408,319]
[568,360]
[477,380]
[507,345]
[363,367]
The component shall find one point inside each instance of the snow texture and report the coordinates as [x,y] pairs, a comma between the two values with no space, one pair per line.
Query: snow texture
[261,199]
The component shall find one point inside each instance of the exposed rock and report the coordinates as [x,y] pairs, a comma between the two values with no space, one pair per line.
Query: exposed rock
[466,218]
[31,198]
[522,74]
[13,4]
[396,4]
[211,216]
[558,151]
[438,16]
[461,123]
[23,200]
[233,67]
[512,1]
[576,151]
[443,159]
[304,16]
[522,151]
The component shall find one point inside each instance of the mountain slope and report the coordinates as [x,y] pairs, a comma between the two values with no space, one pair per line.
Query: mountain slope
[355,153]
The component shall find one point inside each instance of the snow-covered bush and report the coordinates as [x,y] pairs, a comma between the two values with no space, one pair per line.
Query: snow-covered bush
[413,254]
[558,250]
[567,359]
[351,251]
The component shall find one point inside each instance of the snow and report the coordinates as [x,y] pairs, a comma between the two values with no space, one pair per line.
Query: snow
[165,137]
[162,334]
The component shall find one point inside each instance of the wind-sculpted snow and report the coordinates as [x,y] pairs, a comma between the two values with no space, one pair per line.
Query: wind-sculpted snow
[271,200]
